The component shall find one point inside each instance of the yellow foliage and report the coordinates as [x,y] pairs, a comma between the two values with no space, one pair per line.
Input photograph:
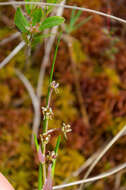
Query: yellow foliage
[19,164]
[77,53]
[20,59]
[5,32]
[111,73]
[117,125]
[7,71]
[114,79]
[5,94]
[68,161]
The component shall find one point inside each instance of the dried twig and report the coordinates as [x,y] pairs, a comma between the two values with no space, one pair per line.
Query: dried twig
[10,38]
[35,101]
[64,6]
[92,179]
[87,163]
[12,54]
[118,180]
[102,153]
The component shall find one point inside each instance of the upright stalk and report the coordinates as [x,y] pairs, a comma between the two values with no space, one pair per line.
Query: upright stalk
[42,167]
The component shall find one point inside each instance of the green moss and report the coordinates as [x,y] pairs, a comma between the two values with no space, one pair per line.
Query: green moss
[70,160]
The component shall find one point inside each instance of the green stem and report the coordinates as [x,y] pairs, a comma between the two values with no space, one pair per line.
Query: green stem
[52,71]
[40,177]
[42,174]
[56,152]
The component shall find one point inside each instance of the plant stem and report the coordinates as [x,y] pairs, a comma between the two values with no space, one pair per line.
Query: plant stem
[56,151]
[45,121]
[40,177]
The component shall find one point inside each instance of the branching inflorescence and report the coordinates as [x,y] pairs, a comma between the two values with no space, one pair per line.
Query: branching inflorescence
[48,159]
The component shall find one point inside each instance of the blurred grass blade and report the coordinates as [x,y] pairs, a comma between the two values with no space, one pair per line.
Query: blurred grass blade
[83,22]
[74,17]
[36,143]
[56,152]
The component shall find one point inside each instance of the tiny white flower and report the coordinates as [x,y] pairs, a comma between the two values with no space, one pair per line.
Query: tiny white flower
[51,156]
[45,137]
[66,128]
[47,112]
[54,86]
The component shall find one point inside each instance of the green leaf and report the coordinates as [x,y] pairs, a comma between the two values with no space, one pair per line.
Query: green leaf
[51,22]
[36,15]
[21,21]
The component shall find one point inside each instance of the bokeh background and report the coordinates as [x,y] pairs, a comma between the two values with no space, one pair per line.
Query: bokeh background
[92,98]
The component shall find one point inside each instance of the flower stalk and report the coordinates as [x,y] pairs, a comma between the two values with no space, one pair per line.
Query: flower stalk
[47,113]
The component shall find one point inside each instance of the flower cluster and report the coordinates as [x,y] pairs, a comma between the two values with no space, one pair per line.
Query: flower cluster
[54,86]
[47,113]
[51,156]
[66,128]
[45,137]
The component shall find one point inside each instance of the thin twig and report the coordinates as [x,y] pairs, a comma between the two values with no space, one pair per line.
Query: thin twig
[10,38]
[34,98]
[118,180]
[92,179]
[12,54]
[89,161]
[14,6]
[64,6]
[102,153]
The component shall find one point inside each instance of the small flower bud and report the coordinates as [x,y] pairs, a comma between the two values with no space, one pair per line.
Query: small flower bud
[51,156]
[54,86]
[66,128]
[45,137]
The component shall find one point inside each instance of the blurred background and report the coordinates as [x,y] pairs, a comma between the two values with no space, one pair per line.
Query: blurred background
[91,71]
